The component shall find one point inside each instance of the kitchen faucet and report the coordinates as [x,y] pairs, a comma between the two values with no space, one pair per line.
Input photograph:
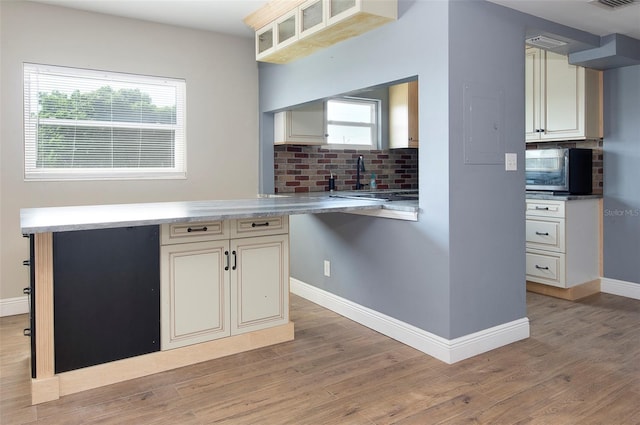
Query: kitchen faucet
[360,167]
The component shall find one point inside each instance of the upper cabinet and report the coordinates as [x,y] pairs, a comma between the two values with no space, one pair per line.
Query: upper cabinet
[403,115]
[563,101]
[304,125]
[290,29]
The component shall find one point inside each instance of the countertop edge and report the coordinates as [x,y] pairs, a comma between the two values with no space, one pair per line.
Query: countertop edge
[94,217]
[556,197]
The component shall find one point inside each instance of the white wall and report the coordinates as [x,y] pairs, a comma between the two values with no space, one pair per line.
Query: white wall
[222,117]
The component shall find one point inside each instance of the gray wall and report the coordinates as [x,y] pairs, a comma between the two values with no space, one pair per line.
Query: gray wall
[621,220]
[222,112]
[460,268]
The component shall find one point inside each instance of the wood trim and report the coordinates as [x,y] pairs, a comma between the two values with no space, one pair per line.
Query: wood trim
[573,293]
[270,12]
[148,364]
[45,360]
[45,389]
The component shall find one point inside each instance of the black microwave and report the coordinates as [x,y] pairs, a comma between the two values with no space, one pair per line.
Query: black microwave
[563,170]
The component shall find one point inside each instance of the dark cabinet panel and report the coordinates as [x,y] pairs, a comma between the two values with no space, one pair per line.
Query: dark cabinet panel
[106,295]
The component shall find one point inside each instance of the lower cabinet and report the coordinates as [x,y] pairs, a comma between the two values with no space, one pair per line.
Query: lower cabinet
[562,242]
[223,278]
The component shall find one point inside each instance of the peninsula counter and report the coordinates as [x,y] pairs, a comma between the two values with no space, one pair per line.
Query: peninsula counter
[114,287]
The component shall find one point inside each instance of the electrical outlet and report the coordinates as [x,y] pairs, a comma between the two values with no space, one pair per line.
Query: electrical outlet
[327,268]
[510,161]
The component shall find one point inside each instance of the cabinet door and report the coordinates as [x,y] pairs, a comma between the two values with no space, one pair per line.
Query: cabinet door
[265,41]
[312,17]
[259,282]
[532,93]
[194,293]
[403,115]
[563,93]
[303,125]
[338,10]
[287,29]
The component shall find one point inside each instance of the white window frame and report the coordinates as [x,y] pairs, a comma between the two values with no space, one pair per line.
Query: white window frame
[31,122]
[374,126]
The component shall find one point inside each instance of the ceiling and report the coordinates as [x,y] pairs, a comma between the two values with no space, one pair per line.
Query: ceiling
[585,15]
[226,16]
[223,16]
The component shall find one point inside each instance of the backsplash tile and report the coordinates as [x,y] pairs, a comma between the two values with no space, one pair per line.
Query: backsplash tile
[594,144]
[307,168]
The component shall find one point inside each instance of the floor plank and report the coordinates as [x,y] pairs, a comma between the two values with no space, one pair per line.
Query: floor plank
[580,365]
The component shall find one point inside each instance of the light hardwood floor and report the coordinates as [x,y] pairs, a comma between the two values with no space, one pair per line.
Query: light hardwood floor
[581,365]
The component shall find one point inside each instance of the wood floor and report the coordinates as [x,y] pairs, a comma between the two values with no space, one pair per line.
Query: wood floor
[581,365]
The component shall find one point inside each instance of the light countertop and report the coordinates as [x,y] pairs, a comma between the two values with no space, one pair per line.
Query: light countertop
[550,196]
[69,218]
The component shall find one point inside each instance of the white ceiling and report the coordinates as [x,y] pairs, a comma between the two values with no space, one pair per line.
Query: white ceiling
[223,16]
[226,15]
[586,15]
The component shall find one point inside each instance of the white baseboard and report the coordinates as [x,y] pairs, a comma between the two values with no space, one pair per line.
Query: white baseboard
[13,306]
[620,287]
[446,350]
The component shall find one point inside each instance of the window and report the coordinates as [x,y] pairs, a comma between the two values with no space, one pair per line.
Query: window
[91,125]
[353,122]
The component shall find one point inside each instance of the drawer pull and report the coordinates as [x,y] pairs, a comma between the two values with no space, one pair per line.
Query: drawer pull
[541,268]
[226,267]
[265,224]
[235,260]
[542,208]
[26,332]
[201,229]
[542,233]
[26,291]
[26,262]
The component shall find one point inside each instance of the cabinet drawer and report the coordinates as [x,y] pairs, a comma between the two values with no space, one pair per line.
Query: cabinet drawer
[547,268]
[545,234]
[249,227]
[193,232]
[545,208]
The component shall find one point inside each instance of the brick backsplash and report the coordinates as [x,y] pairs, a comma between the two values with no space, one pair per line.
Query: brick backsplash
[307,168]
[594,144]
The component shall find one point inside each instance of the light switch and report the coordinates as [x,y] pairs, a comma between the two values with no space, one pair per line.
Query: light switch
[510,161]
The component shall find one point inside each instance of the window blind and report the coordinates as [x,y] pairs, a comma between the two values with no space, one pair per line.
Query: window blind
[87,124]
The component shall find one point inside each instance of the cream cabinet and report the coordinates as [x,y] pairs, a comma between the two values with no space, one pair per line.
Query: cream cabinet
[563,101]
[304,125]
[403,115]
[562,242]
[222,278]
[290,29]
